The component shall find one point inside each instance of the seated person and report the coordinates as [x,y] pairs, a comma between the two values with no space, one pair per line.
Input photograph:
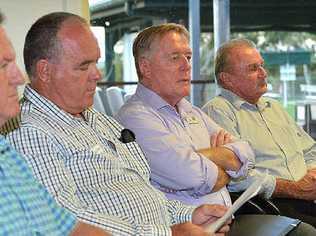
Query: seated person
[280,146]
[26,208]
[191,157]
[76,152]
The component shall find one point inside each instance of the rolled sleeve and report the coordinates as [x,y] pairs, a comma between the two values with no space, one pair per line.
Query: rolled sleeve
[245,155]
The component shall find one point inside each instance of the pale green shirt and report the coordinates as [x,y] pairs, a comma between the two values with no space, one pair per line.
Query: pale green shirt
[280,145]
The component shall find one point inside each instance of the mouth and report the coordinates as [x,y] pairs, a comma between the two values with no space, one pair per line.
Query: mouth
[14,96]
[91,91]
[187,81]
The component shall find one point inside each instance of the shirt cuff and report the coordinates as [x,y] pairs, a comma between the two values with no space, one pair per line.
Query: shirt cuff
[268,187]
[245,155]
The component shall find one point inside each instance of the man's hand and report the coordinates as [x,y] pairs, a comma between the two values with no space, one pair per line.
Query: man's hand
[305,188]
[307,185]
[207,214]
[221,156]
[83,229]
[188,229]
[220,138]
[312,174]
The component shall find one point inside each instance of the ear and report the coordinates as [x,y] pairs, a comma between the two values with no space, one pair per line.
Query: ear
[144,66]
[225,79]
[43,70]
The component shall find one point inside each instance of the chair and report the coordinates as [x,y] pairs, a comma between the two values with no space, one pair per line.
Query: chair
[127,96]
[310,120]
[97,100]
[256,205]
[115,98]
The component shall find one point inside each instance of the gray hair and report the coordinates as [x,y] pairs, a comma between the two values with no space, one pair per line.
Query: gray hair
[224,52]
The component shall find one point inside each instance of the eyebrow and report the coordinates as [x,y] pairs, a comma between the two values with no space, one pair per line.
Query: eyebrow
[86,62]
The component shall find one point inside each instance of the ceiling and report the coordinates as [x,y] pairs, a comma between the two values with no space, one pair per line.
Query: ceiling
[245,15]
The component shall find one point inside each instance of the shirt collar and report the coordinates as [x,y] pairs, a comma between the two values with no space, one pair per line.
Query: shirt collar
[238,102]
[157,103]
[48,108]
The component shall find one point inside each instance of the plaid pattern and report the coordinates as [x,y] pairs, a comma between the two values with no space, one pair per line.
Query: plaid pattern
[10,125]
[25,206]
[89,171]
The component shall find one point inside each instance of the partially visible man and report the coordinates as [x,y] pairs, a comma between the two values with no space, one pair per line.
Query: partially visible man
[190,156]
[280,145]
[76,152]
[26,208]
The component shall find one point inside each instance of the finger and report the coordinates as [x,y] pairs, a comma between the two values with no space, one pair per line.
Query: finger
[227,138]
[224,229]
[214,140]
[215,210]
[220,138]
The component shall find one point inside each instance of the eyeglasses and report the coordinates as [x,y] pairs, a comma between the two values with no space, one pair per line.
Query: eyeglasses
[255,67]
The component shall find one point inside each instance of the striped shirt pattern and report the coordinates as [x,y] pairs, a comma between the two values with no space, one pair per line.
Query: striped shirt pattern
[26,208]
[89,171]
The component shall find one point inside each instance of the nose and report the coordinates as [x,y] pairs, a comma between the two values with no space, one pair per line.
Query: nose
[15,75]
[263,72]
[186,63]
[96,73]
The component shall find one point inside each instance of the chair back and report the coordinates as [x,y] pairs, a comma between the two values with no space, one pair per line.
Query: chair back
[115,98]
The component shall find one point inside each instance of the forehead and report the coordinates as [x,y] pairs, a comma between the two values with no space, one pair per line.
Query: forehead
[77,38]
[245,55]
[173,40]
[6,49]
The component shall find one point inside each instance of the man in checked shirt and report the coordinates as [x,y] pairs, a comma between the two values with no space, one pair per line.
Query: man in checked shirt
[25,206]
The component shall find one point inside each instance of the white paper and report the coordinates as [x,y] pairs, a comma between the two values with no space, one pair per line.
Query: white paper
[252,191]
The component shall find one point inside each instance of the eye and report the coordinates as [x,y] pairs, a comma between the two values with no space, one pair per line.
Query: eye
[255,67]
[84,68]
[175,57]
[3,65]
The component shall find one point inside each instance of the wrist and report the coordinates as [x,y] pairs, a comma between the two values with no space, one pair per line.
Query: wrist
[285,188]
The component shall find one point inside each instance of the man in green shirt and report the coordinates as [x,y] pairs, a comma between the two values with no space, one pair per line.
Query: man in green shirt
[282,148]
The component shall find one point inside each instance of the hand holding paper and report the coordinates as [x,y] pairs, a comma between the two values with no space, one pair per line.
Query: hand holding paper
[252,191]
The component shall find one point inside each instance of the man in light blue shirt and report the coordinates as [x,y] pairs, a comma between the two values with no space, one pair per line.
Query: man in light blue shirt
[176,136]
[281,147]
[191,157]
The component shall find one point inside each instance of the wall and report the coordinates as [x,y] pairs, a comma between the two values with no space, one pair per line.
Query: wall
[21,14]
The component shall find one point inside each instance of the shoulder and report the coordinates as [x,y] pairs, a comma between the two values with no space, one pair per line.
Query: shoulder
[218,103]
[135,109]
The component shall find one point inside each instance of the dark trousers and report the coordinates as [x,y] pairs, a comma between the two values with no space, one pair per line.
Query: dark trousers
[298,209]
[268,225]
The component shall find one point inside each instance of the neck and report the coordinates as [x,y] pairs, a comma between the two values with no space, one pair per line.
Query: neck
[2,121]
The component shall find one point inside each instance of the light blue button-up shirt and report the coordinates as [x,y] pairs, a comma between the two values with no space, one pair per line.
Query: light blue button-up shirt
[280,145]
[171,139]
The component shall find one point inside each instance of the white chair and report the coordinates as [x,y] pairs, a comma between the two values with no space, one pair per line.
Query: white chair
[97,100]
[127,96]
[115,99]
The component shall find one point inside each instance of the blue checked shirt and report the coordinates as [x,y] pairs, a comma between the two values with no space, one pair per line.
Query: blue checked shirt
[89,171]
[25,206]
